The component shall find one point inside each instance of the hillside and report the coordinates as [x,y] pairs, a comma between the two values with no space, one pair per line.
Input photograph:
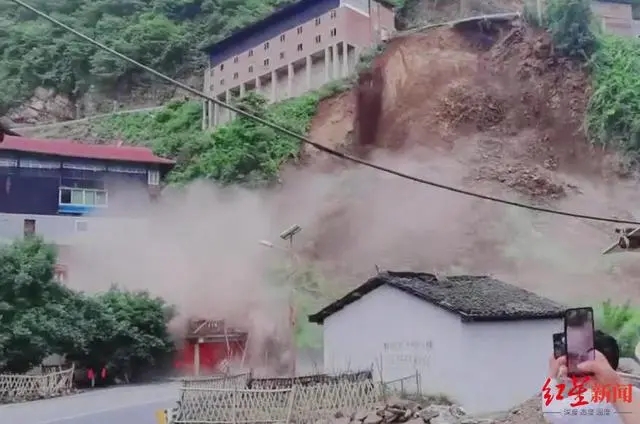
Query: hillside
[49,75]
[494,109]
[72,74]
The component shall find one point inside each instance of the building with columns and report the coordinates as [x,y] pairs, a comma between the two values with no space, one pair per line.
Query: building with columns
[298,48]
[617,17]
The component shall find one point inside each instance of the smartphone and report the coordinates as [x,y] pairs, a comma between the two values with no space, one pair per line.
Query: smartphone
[559,345]
[579,339]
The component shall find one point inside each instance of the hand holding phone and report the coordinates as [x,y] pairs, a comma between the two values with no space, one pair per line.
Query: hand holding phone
[579,337]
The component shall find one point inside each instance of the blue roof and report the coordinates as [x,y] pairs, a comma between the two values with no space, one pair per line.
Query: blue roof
[261,25]
[281,20]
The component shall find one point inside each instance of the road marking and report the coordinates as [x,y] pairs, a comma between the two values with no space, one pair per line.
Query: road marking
[102,411]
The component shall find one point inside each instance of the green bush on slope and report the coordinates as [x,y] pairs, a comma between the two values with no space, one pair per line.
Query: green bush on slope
[241,151]
[613,114]
[623,323]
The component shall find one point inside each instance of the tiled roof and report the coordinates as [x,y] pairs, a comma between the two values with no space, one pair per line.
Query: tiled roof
[67,148]
[474,298]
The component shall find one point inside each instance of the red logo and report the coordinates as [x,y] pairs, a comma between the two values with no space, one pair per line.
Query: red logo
[578,392]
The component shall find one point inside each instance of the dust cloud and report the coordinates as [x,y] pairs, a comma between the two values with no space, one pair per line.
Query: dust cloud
[199,247]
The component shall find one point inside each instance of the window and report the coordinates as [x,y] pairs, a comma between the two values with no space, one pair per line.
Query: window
[82,196]
[318,38]
[39,164]
[299,30]
[235,75]
[266,45]
[153,177]
[82,226]
[300,47]
[251,69]
[282,37]
[29,227]
[222,67]
[334,13]
[334,32]
[318,21]
[222,81]
[211,88]
[235,59]
[266,62]
[250,53]
[281,55]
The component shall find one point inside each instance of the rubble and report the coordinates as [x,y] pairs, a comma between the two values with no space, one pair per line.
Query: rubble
[406,411]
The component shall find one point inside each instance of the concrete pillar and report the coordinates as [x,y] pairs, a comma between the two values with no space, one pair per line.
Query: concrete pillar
[274,82]
[210,105]
[216,114]
[307,67]
[242,90]
[196,358]
[327,62]
[334,61]
[258,85]
[345,59]
[290,73]
[204,115]
[227,100]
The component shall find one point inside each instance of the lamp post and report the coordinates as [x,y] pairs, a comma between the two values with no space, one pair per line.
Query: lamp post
[628,241]
[288,235]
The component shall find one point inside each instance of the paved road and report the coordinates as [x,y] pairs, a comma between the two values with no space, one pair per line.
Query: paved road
[118,405]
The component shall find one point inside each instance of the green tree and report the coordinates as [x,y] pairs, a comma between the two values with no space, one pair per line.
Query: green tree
[125,331]
[33,320]
[160,33]
[570,24]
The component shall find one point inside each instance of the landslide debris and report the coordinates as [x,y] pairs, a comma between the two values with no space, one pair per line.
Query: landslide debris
[494,95]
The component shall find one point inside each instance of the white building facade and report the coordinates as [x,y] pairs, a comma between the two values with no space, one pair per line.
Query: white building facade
[401,324]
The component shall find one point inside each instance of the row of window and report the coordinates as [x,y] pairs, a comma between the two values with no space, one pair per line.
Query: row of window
[82,196]
[333,33]
[283,37]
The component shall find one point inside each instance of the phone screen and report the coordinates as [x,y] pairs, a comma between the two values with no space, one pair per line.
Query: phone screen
[579,335]
[559,344]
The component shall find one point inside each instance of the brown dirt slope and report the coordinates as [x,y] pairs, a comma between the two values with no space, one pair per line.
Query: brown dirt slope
[498,96]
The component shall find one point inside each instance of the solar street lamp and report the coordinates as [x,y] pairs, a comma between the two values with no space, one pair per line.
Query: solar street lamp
[628,241]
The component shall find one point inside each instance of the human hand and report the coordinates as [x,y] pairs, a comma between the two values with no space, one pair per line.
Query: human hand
[602,373]
[558,368]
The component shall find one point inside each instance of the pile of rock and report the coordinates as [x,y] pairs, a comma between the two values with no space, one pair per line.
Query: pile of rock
[406,411]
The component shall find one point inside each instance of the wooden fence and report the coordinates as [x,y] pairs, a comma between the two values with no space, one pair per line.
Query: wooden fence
[18,388]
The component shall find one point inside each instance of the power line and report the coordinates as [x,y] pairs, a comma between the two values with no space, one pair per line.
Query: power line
[320,147]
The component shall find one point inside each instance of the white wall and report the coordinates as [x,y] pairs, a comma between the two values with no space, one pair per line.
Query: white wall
[355,337]
[510,358]
[485,367]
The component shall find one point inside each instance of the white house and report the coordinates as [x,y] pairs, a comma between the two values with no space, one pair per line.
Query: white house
[484,343]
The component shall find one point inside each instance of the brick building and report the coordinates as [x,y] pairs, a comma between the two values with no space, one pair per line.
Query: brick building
[296,49]
[616,16]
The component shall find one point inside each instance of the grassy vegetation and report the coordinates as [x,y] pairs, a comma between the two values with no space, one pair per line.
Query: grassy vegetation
[613,115]
[623,323]
[241,151]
